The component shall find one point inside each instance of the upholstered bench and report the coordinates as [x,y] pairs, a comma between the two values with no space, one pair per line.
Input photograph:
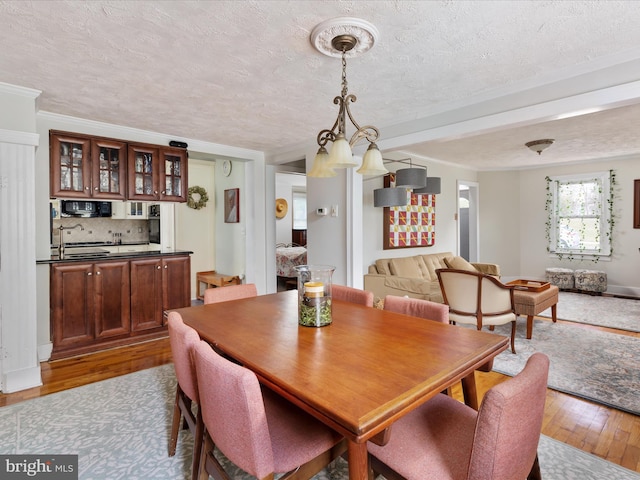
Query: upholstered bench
[531,303]
[563,278]
[590,280]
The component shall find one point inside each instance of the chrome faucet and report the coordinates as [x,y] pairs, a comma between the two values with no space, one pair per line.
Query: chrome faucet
[62,228]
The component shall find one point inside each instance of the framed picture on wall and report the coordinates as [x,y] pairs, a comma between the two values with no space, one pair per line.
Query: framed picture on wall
[232,205]
[411,225]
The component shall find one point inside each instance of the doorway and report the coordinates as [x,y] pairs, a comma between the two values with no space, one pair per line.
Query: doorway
[468,223]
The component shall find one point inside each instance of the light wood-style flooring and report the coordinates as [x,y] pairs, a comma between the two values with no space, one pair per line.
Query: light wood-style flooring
[602,431]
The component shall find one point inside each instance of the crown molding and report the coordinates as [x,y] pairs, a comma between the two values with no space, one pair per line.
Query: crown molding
[20,138]
[22,91]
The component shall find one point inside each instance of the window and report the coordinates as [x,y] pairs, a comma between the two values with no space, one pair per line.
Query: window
[299,209]
[579,208]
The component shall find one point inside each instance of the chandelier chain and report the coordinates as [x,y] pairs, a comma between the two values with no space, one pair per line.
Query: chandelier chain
[344,73]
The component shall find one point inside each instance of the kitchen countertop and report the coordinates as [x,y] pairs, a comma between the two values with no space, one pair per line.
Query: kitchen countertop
[92,256]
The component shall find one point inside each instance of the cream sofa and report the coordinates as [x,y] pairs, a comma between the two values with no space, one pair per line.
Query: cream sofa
[416,276]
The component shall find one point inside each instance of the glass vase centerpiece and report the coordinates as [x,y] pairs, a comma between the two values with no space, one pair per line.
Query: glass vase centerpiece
[314,295]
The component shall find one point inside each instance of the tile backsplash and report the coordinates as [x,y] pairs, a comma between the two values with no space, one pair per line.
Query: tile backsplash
[101,229]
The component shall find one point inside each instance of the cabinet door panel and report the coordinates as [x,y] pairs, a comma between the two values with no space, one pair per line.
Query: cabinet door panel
[113,311]
[146,294]
[144,172]
[72,304]
[70,166]
[108,169]
[176,284]
[174,175]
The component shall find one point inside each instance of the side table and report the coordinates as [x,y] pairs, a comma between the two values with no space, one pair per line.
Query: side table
[213,279]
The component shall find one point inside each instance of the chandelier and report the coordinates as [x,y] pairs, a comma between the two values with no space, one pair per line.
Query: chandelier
[334,38]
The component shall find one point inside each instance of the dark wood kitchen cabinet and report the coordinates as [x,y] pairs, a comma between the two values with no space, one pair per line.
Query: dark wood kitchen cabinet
[176,282]
[107,303]
[157,173]
[157,285]
[87,167]
[146,294]
[90,302]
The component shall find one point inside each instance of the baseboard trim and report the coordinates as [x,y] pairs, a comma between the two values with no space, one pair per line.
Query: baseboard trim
[21,379]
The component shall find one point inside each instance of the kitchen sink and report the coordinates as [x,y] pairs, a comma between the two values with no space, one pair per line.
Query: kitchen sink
[86,255]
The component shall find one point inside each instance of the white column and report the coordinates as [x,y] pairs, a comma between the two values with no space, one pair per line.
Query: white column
[19,366]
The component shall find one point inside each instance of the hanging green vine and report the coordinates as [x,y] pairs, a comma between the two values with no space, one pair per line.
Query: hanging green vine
[612,218]
[552,215]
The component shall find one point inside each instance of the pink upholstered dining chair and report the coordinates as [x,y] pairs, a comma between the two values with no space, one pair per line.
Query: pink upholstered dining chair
[353,295]
[254,428]
[478,299]
[417,307]
[232,292]
[183,339]
[446,440]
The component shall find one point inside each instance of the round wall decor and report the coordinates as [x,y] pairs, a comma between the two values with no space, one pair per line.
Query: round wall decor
[202,196]
[281,208]
[226,168]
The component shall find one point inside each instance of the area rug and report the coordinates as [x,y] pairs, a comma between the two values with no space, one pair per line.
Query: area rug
[119,428]
[614,312]
[599,366]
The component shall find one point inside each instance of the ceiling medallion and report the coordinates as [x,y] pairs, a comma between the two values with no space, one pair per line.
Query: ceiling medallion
[365,33]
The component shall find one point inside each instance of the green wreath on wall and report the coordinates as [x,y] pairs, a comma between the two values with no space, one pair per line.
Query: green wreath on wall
[203,198]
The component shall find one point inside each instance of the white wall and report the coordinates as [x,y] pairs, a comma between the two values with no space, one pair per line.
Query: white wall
[326,235]
[230,245]
[519,204]
[284,188]
[499,218]
[195,229]
[19,367]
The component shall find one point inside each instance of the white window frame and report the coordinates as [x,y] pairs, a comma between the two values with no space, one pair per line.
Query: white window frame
[604,247]
[299,208]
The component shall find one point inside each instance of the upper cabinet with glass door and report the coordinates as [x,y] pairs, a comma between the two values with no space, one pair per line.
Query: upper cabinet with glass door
[157,173]
[70,174]
[109,168]
[174,175]
[82,167]
[85,166]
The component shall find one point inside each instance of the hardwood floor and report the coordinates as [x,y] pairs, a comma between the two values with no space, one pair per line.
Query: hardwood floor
[602,431]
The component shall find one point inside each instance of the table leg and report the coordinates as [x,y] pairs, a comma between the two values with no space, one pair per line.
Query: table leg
[554,316]
[529,326]
[358,461]
[469,391]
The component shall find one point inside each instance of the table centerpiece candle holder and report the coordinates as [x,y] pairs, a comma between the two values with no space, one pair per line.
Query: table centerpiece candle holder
[314,295]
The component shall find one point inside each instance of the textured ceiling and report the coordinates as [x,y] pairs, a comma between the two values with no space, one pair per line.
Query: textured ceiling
[244,73]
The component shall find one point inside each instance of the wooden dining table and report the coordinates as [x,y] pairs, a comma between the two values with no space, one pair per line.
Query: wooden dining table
[357,375]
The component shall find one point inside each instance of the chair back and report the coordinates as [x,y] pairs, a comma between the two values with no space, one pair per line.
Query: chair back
[233,411]
[232,292]
[496,297]
[183,339]
[509,424]
[353,295]
[475,295]
[417,307]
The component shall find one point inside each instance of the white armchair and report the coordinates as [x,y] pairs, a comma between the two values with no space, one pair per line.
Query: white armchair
[477,299]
